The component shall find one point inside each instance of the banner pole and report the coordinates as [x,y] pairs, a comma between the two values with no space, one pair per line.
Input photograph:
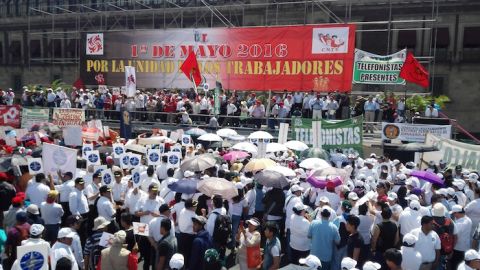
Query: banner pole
[267,110]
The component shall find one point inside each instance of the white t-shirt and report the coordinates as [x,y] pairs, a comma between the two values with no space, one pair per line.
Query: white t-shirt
[51,213]
[184,220]
[427,244]
[131,199]
[37,193]
[463,226]
[299,233]
[154,227]
[412,259]
[409,220]
[236,209]
[250,198]
[60,250]
[289,204]
[146,204]
[105,208]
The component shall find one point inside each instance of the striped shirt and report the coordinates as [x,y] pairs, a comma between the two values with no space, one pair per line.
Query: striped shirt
[91,246]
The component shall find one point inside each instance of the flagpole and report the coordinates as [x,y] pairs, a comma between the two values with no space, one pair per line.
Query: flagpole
[193,82]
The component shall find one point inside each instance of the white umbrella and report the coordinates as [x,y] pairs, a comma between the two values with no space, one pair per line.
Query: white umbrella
[260,135]
[246,146]
[276,147]
[296,145]
[226,132]
[287,172]
[314,163]
[210,137]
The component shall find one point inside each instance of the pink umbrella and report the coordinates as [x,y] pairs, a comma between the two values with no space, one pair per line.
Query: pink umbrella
[320,183]
[234,155]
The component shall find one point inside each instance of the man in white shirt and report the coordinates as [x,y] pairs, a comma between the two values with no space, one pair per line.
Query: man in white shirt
[185,226]
[147,208]
[413,258]
[104,204]
[428,243]
[134,194]
[290,202]
[162,169]
[37,191]
[65,103]
[250,196]
[62,249]
[52,213]
[119,188]
[431,112]
[92,191]
[154,226]
[463,225]
[151,178]
[73,223]
[410,218]
[218,210]
[299,226]
[77,201]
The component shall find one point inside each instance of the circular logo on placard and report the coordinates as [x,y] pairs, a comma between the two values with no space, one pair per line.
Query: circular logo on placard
[35,166]
[125,160]
[391,131]
[59,157]
[32,261]
[266,140]
[161,148]
[107,179]
[99,170]
[86,149]
[134,161]
[173,159]
[136,178]
[93,158]
[253,140]
[186,140]
[176,149]
[154,157]
[118,150]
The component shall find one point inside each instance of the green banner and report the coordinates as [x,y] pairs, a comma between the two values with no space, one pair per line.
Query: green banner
[336,134]
[32,117]
[370,68]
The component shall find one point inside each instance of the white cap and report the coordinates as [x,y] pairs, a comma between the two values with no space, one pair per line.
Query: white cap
[254,221]
[442,191]
[371,266]
[401,176]
[188,174]
[300,207]
[457,209]
[246,180]
[65,233]
[353,196]
[473,177]
[296,188]
[324,199]
[33,209]
[36,229]
[472,255]
[395,162]
[460,184]
[439,210]
[311,261]
[359,183]
[177,261]
[413,181]
[409,239]
[450,191]
[238,185]
[361,176]
[348,263]
[414,205]
[413,197]
[392,196]
[440,175]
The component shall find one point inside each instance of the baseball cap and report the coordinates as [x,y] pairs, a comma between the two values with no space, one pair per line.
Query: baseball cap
[199,219]
[33,209]
[299,207]
[457,209]
[311,261]
[347,205]
[190,203]
[409,240]
[415,205]
[460,184]
[472,255]
[104,189]
[296,188]
[348,263]
[21,216]
[324,199]
[164,207]
[413,197]
[254,221]
[36,229]
[65,233]
[353,196]
[371,266]
[392,196]
[177,261]
[79,180]
[473,177]
[153,187]
[100,223]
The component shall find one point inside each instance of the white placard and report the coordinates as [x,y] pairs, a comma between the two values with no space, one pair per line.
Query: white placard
[85,148]
[11,141]
[177,148]
[136,177]
[125,161]
[99,168]
[93,158]
[186,140]
[174,159]
[118,150]
[154,156]
[57,158]
[283,133]
[33,256]
[130,81]
[135,160]
[107,177]
[106,239]
[35,166]
[174,136]
[72,135]
[161,147]
[140,229]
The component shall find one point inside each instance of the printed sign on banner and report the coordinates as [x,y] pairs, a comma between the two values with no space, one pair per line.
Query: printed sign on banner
[85,148]
[414,132]
[186,140]
[154,156]
[174,159]
[31,117]
[33,256]
[106,239]
[370,68]
[57,158]
[68,117]
[130,81]
[136,177]
[135,160]
[10,115]
[125,161]
[140,229]
[118,150]
[73,135]
[35,166]
[93,158]
[107,177]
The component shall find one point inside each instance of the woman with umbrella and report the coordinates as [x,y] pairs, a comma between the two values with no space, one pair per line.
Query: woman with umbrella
[249,240]
[236,208]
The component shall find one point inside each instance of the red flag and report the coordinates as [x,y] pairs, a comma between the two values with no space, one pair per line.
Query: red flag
[414,72]
[190,68]
[79,84]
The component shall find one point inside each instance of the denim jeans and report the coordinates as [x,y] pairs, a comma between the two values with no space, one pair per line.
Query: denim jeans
[235,224]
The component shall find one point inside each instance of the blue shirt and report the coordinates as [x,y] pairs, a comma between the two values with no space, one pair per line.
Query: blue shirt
[258,200]
[324,235]
[370,106]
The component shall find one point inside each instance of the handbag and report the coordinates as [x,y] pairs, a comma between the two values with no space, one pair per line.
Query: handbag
[132,261]
[254,256]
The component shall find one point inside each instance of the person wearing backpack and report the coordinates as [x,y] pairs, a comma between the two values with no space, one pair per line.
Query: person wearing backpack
[15,236]
[219,226]
[93,251]
[445,228]
[200,244]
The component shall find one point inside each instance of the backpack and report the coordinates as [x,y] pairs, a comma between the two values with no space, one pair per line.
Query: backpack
[445,234]
[223,229]
[93,214]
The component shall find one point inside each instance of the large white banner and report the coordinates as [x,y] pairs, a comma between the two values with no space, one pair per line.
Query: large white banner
[130,81]
[56,158]
[414,132]
[453,153]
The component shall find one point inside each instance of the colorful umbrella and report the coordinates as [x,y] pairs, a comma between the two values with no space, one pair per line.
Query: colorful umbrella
[428,176]
[329,171]
[198,163]
[235,155]
[321,183]
[217,186]
[271,179]
[256,165]
[187,186]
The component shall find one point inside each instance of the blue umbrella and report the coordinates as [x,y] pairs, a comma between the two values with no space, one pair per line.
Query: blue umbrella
[197,132]
[187,186]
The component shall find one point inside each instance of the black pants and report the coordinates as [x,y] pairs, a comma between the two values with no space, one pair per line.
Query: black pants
[185,241]
[147,251]
[457,258]
[297,255]
[66,211]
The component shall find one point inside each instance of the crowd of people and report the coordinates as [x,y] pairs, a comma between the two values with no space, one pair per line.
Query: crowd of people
[236,109]
[378,217]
